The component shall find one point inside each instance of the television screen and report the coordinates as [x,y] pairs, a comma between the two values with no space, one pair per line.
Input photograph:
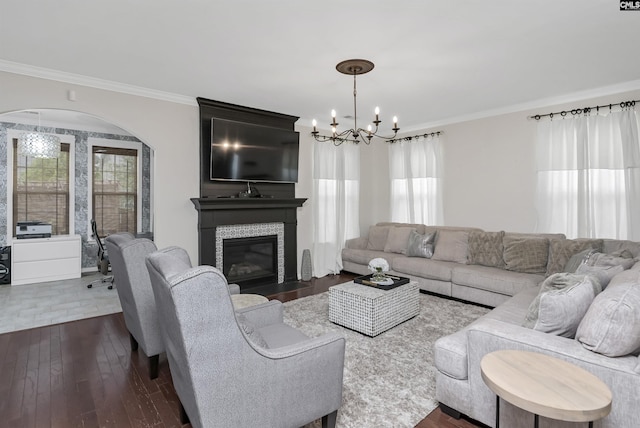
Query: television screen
[247,152]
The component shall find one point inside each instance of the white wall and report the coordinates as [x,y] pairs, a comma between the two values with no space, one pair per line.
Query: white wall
[171,129]
[489,170]
[489,179]
[304,189]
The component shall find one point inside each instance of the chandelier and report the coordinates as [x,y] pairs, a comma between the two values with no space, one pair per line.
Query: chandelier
[356,135]
[38,144]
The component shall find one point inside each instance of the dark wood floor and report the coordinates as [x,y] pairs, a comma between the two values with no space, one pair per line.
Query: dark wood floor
[83,374]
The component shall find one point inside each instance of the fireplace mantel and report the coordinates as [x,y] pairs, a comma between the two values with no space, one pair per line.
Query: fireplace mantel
[203,204]
[214,212]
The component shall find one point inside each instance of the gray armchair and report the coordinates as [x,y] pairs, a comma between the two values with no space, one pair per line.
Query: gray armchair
[127,257]
[242,368]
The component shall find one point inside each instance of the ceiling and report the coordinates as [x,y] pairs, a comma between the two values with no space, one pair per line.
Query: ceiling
[434,60]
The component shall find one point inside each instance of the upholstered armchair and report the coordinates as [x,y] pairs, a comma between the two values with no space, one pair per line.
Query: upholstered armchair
[127,257]
[244,368]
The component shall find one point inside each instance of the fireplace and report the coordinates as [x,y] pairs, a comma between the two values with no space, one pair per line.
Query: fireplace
[250,261]
[222,219]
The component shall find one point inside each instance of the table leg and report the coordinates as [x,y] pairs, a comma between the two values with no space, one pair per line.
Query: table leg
[497,411]
[536,421]
[590,424]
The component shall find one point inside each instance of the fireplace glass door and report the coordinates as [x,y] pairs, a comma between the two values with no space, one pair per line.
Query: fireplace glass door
[251,261]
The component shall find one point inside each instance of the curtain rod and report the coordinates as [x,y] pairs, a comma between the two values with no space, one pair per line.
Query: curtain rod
[623,105]
[427,135]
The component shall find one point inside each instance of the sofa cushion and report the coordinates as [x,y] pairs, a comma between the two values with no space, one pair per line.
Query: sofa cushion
[610,246]
[377,237]
[398,240]
[527,255]
[363,257]
[420,245]
[603,274]
[420,228]
[451,246]
[601,259]
[486,248]
[561,303]
[424,268]
[561,250]
[577,260]
[494,279]
[611,326]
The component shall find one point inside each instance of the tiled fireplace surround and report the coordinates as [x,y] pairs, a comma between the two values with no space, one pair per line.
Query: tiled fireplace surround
[251,231]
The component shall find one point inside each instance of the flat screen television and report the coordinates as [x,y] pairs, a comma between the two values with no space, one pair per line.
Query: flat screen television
[247,152]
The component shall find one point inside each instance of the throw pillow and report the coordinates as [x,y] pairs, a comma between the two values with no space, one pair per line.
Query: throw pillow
[377,237]
[561,250]
[486,248]
[527,255]
[420,245]
[451,246]
[250,331]
[611,326]
[398,239]
[603,274]
[601,259]
[560,305]
[578,259]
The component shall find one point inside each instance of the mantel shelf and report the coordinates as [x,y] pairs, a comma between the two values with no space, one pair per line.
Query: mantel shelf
[205,204]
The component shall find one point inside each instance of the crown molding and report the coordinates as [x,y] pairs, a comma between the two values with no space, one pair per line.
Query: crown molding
[574,97]
[78,79]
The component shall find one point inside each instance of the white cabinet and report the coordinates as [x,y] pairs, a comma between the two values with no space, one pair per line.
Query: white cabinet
[45,259]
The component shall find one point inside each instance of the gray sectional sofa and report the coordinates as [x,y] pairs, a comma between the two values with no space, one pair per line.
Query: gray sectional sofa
[450,271]
[590,318]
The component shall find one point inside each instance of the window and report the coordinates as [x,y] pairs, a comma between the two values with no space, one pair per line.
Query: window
[589,176]
[415,168]
[41,189]
[115,189]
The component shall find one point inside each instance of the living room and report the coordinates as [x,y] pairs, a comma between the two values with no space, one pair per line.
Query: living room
[489,177]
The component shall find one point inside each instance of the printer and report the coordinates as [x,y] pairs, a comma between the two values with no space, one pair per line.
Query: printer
[33,229]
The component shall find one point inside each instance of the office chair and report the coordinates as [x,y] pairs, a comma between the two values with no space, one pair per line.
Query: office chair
[102,260]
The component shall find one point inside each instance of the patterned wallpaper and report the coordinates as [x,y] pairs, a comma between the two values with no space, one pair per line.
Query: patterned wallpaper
[81,179]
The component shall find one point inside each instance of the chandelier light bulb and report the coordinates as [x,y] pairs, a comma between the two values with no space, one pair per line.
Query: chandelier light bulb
[314,123]
[395,121]
[377,111]
[333,114]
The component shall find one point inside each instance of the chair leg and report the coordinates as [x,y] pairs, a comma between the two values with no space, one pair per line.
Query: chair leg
[184,418]
[153,366]
[134,342]
[329,421]
[449,411]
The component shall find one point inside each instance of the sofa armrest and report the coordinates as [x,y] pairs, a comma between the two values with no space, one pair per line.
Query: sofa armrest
[357,243]
[493,335]
[264,314]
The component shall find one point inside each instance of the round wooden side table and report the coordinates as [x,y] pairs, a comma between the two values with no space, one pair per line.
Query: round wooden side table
[545,386]
[245,300]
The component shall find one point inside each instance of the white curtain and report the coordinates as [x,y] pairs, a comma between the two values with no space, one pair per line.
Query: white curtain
[336,182]
[588,176]
[415,168]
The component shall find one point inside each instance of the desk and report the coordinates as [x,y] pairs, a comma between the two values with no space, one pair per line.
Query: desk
[545,386]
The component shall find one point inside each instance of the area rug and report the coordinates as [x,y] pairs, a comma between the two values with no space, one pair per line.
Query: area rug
[389,380]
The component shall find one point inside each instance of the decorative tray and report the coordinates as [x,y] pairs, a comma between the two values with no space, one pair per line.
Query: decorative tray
[390,282]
